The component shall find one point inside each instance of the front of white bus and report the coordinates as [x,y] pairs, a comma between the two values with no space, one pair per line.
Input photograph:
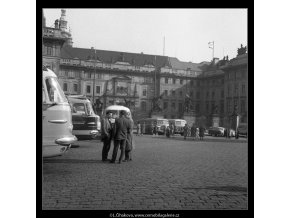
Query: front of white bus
[57,126]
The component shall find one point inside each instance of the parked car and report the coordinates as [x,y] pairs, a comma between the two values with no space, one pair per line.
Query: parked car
[243,130]
[86,124]
[216,131]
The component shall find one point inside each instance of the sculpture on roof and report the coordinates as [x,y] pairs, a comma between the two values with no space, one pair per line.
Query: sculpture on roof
[242,50]
[188,104]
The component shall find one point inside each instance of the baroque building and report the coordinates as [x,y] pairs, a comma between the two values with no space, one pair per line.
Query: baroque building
[134,80]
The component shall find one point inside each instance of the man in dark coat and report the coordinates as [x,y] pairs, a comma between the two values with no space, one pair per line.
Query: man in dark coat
[122,128]
[106,135]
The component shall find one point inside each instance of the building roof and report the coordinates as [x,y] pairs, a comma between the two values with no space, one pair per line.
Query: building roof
[113,56]
[239,60]
[180,65]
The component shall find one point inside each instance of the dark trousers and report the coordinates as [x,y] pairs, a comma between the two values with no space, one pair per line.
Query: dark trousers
[106,148]
[118,143]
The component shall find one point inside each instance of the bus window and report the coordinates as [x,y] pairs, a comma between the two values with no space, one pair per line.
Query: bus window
[54,91]
[79,108]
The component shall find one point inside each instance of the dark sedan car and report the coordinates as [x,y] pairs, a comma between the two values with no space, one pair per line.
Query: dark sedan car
[216,131]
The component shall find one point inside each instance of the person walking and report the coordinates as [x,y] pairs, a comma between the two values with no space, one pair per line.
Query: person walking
[155,130]
[197,133]
[167,132]
[193,130]
[129,140]
[151,129]
[122,128]
[106,135]
[172,129]
[185,131]
[138,128]
[201,132]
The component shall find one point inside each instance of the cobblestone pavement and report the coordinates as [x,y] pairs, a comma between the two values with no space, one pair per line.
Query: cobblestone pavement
[165,174]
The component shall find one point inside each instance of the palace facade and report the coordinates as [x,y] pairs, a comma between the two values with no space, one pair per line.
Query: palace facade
[132,79]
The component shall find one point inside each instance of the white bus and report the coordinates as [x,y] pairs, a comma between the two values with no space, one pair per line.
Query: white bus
[57,125]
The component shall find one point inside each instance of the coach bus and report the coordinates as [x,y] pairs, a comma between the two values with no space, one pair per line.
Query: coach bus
[57,126]
[178,124]
[161,125]
[86,124]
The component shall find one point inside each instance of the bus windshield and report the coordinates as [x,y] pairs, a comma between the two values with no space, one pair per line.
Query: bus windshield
[55,93]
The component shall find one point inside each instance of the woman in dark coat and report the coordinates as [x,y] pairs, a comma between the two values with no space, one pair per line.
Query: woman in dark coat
[129,140]
[201,132]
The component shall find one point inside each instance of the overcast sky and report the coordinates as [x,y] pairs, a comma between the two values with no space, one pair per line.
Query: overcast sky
[186,31]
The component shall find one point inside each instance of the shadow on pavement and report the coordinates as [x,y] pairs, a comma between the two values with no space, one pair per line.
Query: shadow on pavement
[220,139]
[73,161]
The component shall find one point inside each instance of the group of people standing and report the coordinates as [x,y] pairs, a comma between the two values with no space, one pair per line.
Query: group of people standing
[193,131]
[120,131]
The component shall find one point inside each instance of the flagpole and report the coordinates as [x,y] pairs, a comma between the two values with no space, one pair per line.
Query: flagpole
[212,50]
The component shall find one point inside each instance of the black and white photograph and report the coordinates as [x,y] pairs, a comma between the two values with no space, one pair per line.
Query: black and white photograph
[145,109]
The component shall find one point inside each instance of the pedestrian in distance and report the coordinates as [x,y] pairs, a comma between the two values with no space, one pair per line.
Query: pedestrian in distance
[201,132]
[152,129]
[172,129]
[143,128]
[167,132]
[155,130]
[138,128]
[106,134]
[193,130]
[122,128]
[129,140]
[197,133]
[185,131]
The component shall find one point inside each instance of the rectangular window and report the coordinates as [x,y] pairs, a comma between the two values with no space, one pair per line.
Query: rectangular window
[66,73]
[212,95]
[207,107]
[229,90]
[166,80]
[228,106]
[165,92]
[222,94]
[191,82]
[144,93]
[173,92]
[75,87]
[243,89]
[165,105]
[236,89]
[181,81]
[65,87]
[191,94]
[88,89]
[180,107]
[243,106]
[98,89]
[173,80]
[222,107]
[180,93]
[173,105]
[207,94]
[49,50]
